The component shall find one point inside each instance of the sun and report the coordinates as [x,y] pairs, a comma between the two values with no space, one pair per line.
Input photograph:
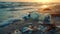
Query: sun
[44,6]
[43,1]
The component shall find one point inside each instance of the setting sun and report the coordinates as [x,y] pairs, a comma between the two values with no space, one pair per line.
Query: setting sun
[43,1]
[44,6]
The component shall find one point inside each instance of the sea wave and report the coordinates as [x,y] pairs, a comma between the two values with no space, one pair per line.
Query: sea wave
[19,9]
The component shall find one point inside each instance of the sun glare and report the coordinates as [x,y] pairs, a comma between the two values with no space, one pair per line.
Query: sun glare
[43,1]
[44,6]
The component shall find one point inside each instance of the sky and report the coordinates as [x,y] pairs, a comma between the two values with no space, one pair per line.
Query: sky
[31,0]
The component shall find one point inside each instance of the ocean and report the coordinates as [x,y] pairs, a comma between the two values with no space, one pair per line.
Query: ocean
[18,9]
[10,11]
